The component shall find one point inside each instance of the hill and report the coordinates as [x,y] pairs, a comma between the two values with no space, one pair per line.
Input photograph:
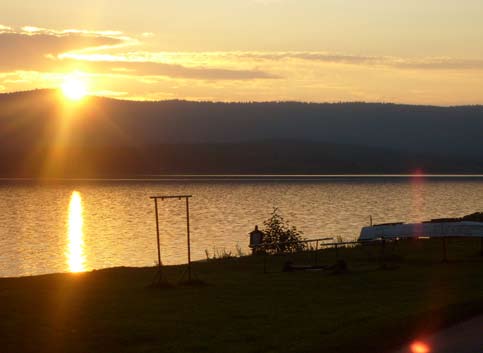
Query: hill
[43,135]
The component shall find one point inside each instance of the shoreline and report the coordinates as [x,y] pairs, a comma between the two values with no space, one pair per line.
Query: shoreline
[242,309]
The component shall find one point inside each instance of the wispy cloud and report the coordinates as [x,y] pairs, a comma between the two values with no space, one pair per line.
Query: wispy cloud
[32,48]
[438,64]
[5,28]
[263,59]
[430,63]
[41,49]
[147,68]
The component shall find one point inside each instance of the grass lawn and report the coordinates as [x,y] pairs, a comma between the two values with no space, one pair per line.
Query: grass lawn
[242,309]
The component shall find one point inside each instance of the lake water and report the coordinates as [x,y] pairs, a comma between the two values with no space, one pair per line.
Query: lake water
[79,225]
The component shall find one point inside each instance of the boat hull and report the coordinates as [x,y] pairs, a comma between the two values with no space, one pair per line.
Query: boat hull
[417,230]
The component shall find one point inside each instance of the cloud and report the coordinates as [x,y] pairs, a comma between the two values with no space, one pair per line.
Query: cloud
[121,65]
[431,63]
[104,52]
[32,48]
[312,56]
[149,68]
[47,50]
[439,64]
[5,28]
[247,59]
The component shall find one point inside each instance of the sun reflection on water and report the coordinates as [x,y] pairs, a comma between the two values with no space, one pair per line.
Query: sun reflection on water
[75,248]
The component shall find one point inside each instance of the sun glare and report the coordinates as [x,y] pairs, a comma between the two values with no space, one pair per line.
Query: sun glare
[74,88]
[75,248]
[419,347]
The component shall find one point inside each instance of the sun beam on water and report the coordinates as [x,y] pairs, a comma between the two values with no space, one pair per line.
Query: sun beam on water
[75,248]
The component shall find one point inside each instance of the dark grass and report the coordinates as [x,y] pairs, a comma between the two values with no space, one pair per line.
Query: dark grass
[241,309]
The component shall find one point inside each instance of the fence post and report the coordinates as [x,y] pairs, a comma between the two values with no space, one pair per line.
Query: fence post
[383,252]
[265,262]
[445,250]
[317,253]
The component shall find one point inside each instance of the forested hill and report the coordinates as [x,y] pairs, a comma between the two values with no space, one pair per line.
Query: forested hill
[41,133]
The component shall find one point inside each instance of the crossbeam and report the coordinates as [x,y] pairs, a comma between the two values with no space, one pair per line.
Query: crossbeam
[162,197]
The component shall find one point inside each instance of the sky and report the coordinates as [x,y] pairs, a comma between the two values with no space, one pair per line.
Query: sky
[403,51]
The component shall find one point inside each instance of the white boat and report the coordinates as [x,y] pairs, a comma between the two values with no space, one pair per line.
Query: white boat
[416,230]
[468,226]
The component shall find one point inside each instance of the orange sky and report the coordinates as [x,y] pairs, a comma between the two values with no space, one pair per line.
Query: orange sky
[249,50]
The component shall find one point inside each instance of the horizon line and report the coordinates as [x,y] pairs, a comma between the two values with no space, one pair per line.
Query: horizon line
[247,101]
[249,177]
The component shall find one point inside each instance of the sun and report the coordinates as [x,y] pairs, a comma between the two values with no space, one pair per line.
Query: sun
[74,87]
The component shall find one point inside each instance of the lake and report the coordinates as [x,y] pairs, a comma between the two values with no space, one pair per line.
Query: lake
[79,225]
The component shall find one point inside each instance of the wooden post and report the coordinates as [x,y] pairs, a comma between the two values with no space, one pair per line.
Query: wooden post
[383,252]
[157,231]
[188,237]
[316,253]
[265,261]
[445,250]
[179,197]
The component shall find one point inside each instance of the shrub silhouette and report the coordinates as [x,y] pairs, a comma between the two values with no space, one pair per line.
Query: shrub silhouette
[279,236]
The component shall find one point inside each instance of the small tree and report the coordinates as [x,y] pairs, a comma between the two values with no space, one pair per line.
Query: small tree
[279,236]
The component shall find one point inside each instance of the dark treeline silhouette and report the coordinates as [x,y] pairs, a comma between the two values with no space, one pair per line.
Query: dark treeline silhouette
[43,136]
